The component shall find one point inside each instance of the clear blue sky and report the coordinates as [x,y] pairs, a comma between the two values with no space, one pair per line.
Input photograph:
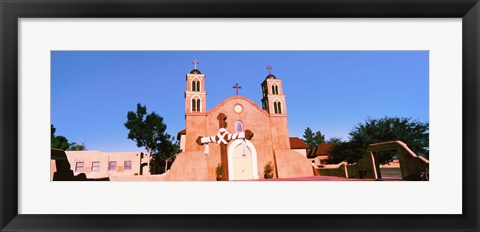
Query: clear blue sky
[330,91]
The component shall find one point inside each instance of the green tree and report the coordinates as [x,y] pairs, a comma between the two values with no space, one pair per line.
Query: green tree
[59,142]
[309,137]
[412,132]
[148,131]
[313,139]
[345,151]
[334,140]
[77,146]
[168,151]
[319,138]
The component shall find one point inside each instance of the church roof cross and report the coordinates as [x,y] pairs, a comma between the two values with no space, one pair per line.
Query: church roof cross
[195,62]
[236,86]
[269,69]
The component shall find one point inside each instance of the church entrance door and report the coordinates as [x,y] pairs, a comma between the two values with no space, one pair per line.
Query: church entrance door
[242,165]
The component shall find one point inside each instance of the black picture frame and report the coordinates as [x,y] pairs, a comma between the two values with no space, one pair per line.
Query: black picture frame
[11,11]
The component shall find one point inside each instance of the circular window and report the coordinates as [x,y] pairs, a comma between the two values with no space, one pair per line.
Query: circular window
[238,108]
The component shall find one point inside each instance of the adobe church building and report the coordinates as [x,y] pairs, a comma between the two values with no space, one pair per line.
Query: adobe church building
[241,157]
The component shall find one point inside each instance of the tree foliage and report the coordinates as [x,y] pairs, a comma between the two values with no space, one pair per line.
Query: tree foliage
[77,146]
[168,152]
[334,140]
[58,141]
[319,138]
[412,132]
[61,142]
[308,137]
[149,131]
[313,139]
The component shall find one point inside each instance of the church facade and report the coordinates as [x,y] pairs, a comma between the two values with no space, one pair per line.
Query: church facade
[241,158]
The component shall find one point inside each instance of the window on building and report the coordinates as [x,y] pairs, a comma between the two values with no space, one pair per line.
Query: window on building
[194,106]
[127,165]
[273,89]
[196,86]
[79,167]
[276,89]
[238,126]
[275,107]
[95,166]
[112,165]
[198,104]
[279,107]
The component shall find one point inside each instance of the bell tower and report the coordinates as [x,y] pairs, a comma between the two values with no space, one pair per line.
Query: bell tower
[195,94]
[273,99]
[195,107]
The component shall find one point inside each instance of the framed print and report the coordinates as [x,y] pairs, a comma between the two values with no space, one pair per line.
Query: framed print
[243,156]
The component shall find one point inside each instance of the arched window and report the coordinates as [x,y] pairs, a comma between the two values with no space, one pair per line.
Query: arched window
[273,89]
[194,86]
[198,86]
[198,104]
[194,106]
[276,89]
[275,107]
[238,126]
[279,107]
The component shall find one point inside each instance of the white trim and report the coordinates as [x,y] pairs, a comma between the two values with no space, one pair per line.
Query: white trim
[191,103]
[196,95]
[281,105]
[253,151]
[192,80]
[277,99]
[275,86]
[374,166]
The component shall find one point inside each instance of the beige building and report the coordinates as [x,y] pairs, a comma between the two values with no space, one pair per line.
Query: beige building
[96,164]
[297,145]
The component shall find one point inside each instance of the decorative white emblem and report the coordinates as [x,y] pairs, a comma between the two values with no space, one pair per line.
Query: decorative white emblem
[221,137]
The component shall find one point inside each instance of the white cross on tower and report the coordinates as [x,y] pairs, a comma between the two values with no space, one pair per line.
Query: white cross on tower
[269,69]
[195,62]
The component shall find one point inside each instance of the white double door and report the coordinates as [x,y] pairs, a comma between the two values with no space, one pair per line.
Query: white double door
[242,161]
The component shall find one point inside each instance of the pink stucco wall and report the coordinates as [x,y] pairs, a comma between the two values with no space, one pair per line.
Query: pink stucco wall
[292,164]
[190,166]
